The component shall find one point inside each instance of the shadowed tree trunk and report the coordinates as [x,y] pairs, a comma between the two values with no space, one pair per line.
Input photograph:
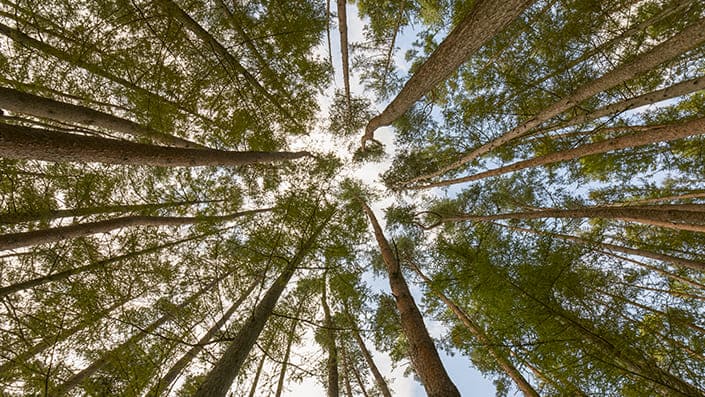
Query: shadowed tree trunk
[25,143]
[343,29]
[287,354]
[25,239]
[424,357]
[21,102]
[483,21]
[379,379]
[332,362]
[258,373]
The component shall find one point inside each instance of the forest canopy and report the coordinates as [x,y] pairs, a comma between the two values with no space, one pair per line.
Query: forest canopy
[184,206]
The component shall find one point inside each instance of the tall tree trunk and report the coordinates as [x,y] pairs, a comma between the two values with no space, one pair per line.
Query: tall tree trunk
[479,334]
[648,200]
[332,362]
[358,378]
[46,215]
[258,373]
[660,133]
[483,22]
[287,355]
[21,286]
[107,357]
[390,52]
[346,371]
[221,377]
[379,379]
[22,102]
[668,216]
[25,143]
[689,38]
[424,357]
[343,29]
[25,239]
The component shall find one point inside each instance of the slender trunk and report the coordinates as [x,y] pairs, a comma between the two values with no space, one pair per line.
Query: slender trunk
[4,291]
[25,239]
[479,334]
[388,59]
[343,29]
[328,22]
[164,384]
[691,37]
[346,372]
[174,11]
[671,292]
[661,133]
[258,373]
[21,102]
[107,357]
[25,143]
[287,354]
[221,377]
[332,362]
[671,218]
[379,379]
[423,354]
[483,22]
[358,378]
[11,218]
[551,380]
[648,200]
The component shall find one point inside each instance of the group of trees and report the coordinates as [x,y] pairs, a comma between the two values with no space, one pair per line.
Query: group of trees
[159,236]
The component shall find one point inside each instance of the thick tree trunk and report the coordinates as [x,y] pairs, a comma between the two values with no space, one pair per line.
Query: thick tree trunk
[484,340]
[332,362]
[221,377]
[660,133]
[164,384]
[18,217]
[25,239]
[24,143]
[424,356]
[483,21]
[21,286]
[379,379]
[21,102]
[689,38]
[343,29]
[107,357]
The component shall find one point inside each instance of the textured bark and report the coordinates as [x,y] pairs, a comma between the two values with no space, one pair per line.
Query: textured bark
[221,377]
[164,384]
[424,356]
[379,379]
[24,143]
[18,217]
[332,361]
[479,334]
[691,37]
[21,102]
[691,217]
[45,236]
[483,21]
[107,357]
[661,133]
[343,30]
[4,291]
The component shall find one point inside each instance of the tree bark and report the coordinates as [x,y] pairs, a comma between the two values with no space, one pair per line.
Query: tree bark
[346,372]
[287,354]
[483,339]
[379,379]
[423,354]
[483,21]
[25,239]
[21,102]
[25,143]
[691,37]
[660,133]
[332,362]
[258,373]
[343,29]
[164,384]
[221,377]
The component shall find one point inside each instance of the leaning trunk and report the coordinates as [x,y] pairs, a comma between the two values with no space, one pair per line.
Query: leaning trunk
[379,379]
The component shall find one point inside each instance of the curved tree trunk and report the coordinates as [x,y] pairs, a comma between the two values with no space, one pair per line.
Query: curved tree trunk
[483,21]
[332,362]
[691,37]
[660,133]
[22,102]
[424,356]
[25,239]
[25,143]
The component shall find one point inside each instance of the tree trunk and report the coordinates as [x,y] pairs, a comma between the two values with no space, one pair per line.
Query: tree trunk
[18,217]
[423,354]
[221,377]
[483,22]
[258,373]
[379,379]
[343,29]
[352,367]
[21,102]
[21,286]
[479,334]
[287,354]
[25,239]
[689,38]
[660,133]
[24,143]
[107,357]
[332,362]
[346,372]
